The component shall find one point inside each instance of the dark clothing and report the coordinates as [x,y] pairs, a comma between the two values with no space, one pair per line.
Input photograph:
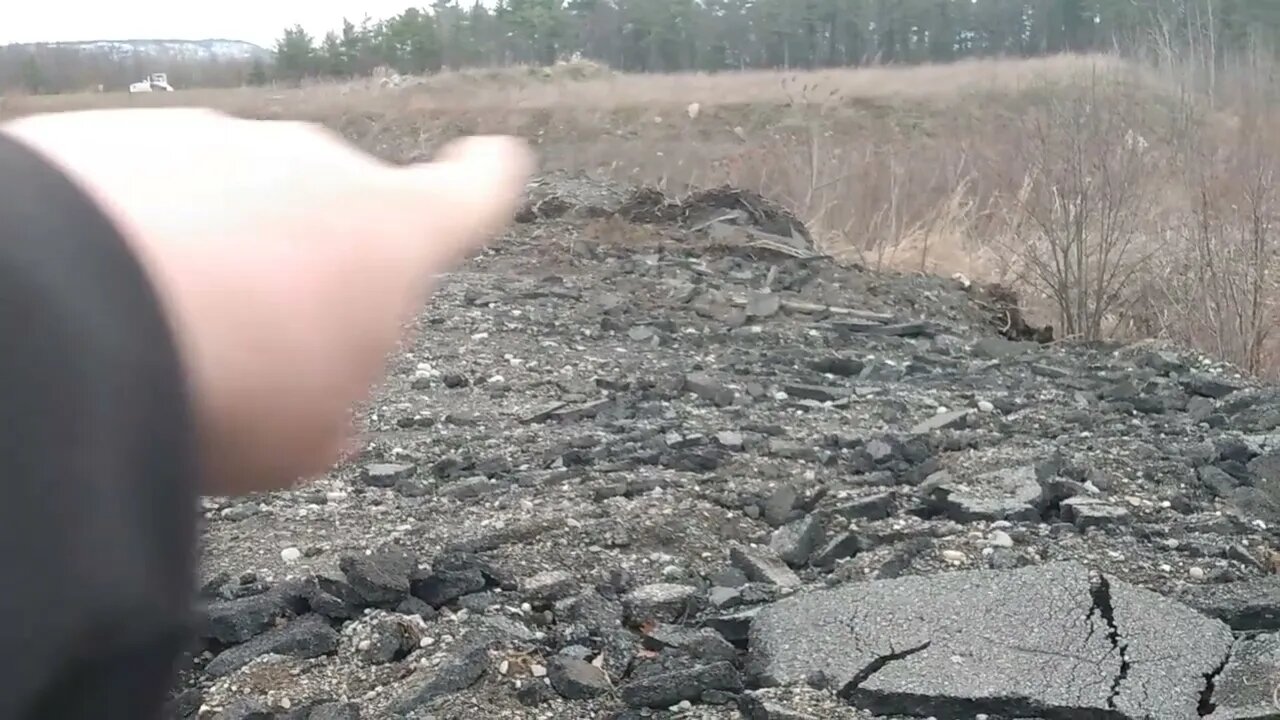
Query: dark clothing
[97,463]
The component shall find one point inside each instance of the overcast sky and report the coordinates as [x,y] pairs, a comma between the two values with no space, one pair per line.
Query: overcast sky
[257,21]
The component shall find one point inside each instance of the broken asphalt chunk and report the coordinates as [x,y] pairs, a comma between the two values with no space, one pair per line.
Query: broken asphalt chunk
[713,392]
[307,637]
[763,565]
[662,690]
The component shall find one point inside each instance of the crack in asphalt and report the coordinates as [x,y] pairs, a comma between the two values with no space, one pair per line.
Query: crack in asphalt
[1104,609]
[1207,705]
[877,665]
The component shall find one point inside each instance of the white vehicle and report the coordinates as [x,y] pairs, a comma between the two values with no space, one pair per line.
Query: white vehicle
[155,82]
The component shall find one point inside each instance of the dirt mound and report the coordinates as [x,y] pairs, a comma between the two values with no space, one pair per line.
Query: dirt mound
[625,435]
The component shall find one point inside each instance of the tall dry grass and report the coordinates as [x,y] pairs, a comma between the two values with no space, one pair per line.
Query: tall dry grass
[1129,199]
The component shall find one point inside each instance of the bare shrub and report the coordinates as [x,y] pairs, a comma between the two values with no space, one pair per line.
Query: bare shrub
[1219,287]
[1079,219]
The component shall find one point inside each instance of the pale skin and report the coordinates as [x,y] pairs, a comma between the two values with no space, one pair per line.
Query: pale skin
[287,262]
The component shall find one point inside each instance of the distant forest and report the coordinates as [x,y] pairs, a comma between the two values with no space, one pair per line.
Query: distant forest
[705,35]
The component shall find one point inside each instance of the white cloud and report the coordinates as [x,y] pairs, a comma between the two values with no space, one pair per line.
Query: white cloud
[257,21]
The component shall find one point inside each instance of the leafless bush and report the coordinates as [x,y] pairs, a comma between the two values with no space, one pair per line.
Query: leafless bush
[1220,286]
[1078,221]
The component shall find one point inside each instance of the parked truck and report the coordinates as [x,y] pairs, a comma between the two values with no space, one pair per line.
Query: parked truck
[155,82]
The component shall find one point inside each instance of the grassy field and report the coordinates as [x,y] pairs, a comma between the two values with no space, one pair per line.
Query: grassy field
[1120,199]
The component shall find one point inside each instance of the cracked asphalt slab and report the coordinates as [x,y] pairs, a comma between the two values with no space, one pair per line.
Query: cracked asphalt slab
[632,466]
[1048,641]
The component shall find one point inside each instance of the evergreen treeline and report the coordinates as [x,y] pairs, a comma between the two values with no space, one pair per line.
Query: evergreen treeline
[711,35]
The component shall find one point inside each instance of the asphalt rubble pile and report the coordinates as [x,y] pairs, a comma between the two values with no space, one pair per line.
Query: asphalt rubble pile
[649,457]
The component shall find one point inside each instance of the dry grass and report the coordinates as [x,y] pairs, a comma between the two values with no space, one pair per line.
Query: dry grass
[1021,171]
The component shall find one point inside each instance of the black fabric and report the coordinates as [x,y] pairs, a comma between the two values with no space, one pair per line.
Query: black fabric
[97,471]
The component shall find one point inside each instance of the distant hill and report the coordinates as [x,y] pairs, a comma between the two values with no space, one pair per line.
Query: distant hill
[212,49]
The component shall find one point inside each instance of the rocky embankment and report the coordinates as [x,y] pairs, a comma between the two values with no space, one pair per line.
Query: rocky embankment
[658,459]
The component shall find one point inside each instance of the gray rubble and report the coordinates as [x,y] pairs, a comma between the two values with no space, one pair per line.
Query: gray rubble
[650,457]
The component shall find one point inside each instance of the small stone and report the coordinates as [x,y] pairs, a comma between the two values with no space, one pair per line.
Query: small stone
[537,670]
[955,557]
[291,554]
[1196,573]
[985,406]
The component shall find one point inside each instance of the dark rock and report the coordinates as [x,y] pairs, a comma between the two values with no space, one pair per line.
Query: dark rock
[844,545]
[463,667]
[815,392]
[763,565]
[455,380]
[795,542]
[533,694]
[577,679]
[704,644]
[381,578]
[734,628]
[441,587]
[666,689]
[334,598]
[1248,606]
[842,366]
[416,606]
[1210,386]
[1047,641]
[185,704]
[753,708]
[246,709]
[385,475]
[307,637]
[235,621]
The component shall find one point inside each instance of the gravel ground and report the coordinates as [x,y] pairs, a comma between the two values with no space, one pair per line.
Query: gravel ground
[640,451]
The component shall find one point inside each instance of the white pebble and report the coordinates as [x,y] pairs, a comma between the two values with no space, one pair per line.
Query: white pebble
[955,557]
[538,670]
[291,554]
[985,406]
[1196,573]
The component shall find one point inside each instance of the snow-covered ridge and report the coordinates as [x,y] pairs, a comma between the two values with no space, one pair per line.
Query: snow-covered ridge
[212,49]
